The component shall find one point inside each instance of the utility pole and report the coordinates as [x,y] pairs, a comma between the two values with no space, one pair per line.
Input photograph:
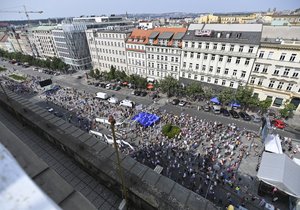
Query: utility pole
[112,122]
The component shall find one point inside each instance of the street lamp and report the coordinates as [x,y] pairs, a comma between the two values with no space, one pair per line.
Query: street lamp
[112,122]
[216,168]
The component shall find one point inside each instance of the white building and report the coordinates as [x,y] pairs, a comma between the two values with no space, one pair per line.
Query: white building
[43,40]
[107,48]
[276,72]
[219,55]
[164,52]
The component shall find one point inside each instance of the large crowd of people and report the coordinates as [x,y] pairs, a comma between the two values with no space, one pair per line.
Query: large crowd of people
[204,157]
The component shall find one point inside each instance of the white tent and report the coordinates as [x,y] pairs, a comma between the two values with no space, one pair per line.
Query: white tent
[273,144]
[281,172]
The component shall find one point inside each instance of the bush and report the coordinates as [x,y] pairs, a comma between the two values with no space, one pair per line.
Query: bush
[17,77]
[170,130]
[2,69]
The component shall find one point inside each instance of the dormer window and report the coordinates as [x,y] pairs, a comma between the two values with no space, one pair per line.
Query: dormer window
[151,41]
[219,34]
[176,43]
[238,35]
[228,35]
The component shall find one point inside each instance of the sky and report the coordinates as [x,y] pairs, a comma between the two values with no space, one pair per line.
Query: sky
[71,8]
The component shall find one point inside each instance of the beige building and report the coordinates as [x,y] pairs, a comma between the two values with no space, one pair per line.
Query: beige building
[276,73]
[208,19]
[291,19]
[225,19]
[43,40]
[107,48]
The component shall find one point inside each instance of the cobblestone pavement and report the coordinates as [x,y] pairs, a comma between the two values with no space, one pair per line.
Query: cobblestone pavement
[100,196]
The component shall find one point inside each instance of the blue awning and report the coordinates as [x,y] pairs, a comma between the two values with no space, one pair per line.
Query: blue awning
[215,100]
[146,119]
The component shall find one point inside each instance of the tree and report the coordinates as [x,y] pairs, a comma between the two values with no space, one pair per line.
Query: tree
[112,73]
[244,95]
[96,73]
[288,110]
[169,85]
[92,73]
[194,89]
[265,104]
[226,95]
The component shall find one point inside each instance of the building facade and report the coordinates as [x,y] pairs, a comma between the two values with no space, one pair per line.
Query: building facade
[163,52]
[107,48]
[276,73]
[44,41]
[219,55]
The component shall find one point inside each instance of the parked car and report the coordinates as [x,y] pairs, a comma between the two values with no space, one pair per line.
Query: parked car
[127,103]
[225,112]
[206,108]
[137,92]
[108,86]
[79,77]
[35,68]
[113,100]
[256,118]
[278,124]
[58,114]
[175,101]
[245,116]
[117,88]
[182,103]
[216,109]
[143,93]
[234,114]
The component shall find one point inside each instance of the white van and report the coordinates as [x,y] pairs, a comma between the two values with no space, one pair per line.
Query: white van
[113,100]
[102,95]
[217,109]
[127,103]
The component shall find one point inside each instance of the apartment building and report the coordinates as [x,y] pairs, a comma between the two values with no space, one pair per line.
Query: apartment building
[163,51]
[276,73]
[107,48]
[219,55]
[43,40]
[136,52]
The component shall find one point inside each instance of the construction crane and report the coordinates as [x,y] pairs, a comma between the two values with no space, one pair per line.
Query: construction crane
[25,11]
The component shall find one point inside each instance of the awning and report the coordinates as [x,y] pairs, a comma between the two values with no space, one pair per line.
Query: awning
[278,101]
[215,100]
[281,172]
[273,144]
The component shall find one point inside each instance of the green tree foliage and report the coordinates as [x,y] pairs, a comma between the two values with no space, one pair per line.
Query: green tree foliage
[54,63]
[243,95]
[139,81]
[92,73]
[170,130]
[194,89]
[265,104]
[288,110]
[226,95]
[170,86]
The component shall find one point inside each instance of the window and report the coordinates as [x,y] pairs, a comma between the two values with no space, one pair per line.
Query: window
[270,55]
[166,58]
[218,70]
[271,84]
[197,66]
[193,44]
[241,48]
[231,48]
[243,74]
[252,80]
[265,69]
[208,79]
[250,50]
[256,69]
[293,56]
[221,58]
[183,74]
[210,68]
[289,87]
[185,54]
[207,46]
[205,56]
[223,82]
[172,59]
[286,72]
[202,78]
[247,61]
[191,55]
[203,68]
[189,76]
[295,75]
[216,81]
[231,84]
[261,54]
[223,47]
[195,77]
[279,86]
[276,72]
[198,55]
[215,46]
[199,45]
[226,71]
[238,59]
[184,64]
[213,57]
[176,59]
[260,81]
[282,57]
[190,65]
[186,44]
[234,72]
[229,59]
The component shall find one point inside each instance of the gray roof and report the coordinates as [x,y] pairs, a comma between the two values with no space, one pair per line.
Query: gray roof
[178,36]
[153,35]
[281,32]
[195,26]
[165,35]
[245,37]
[234,27]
